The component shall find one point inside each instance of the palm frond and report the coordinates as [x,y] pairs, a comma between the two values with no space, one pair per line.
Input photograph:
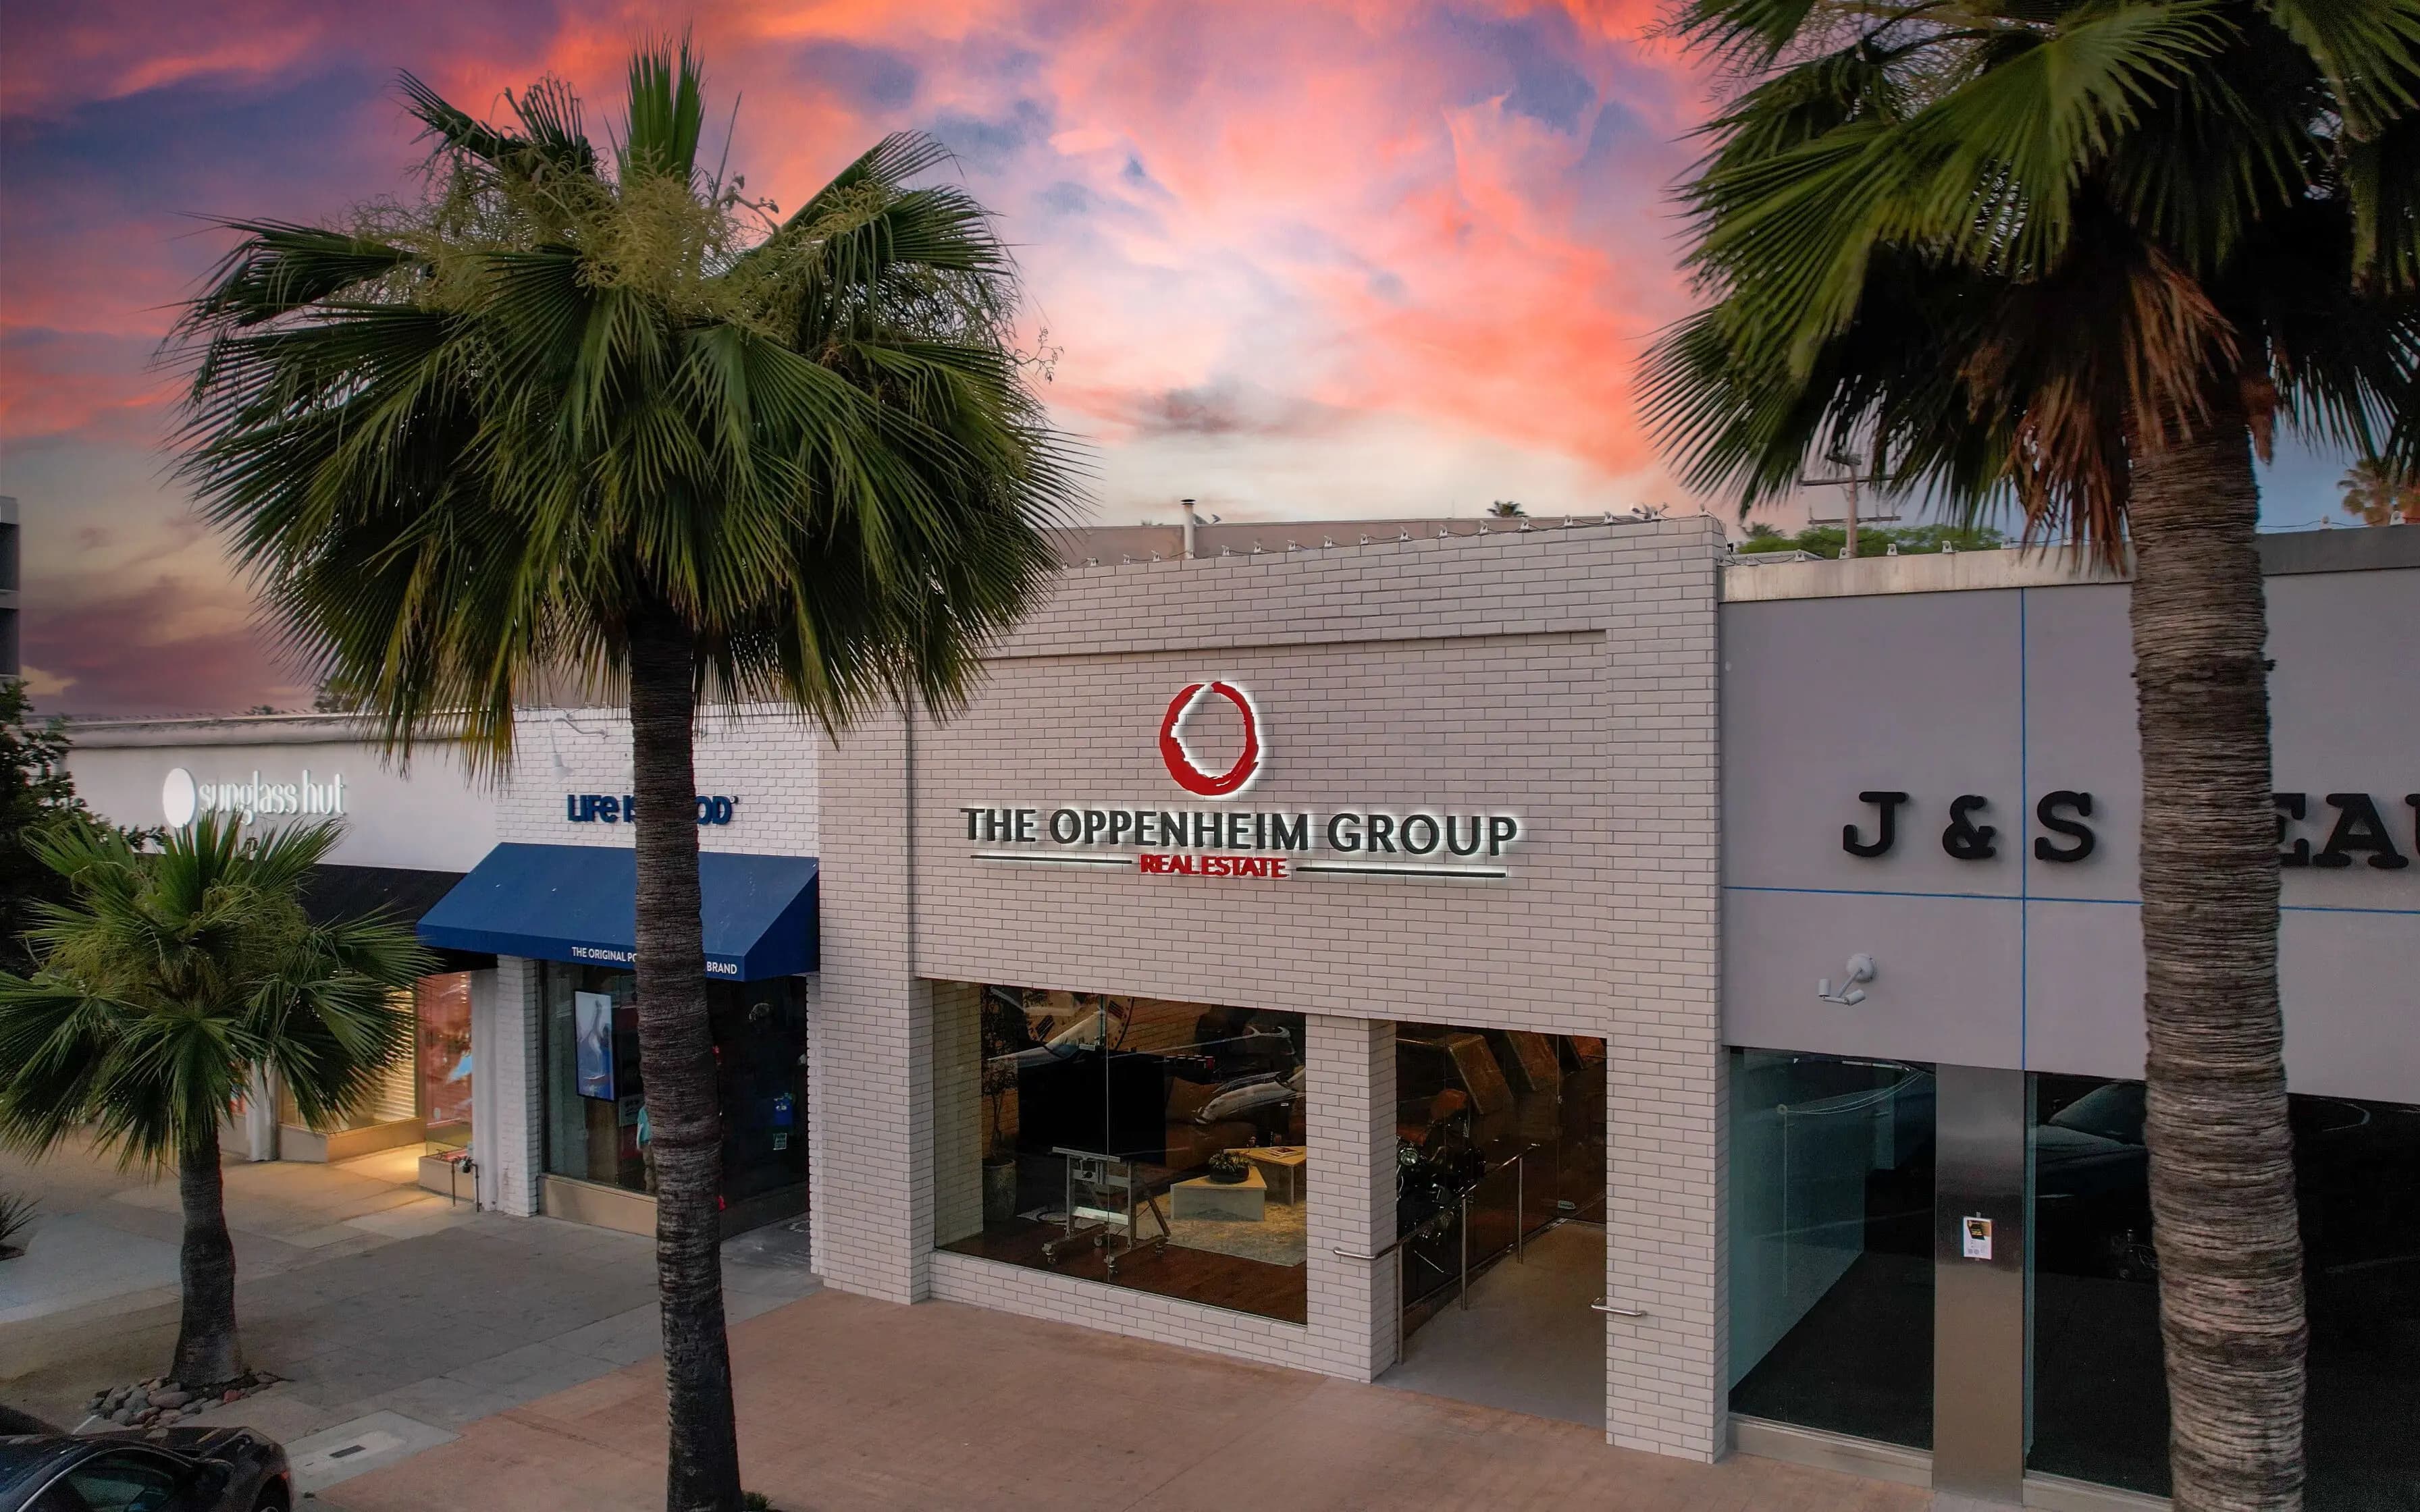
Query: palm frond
[2369,51]
[2003,250]
[575,397]
[667,112]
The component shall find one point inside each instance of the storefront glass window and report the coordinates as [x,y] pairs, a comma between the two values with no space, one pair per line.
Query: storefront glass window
[397,1096]
[1153,1145]
[1831,1266]
[1500,1132]
[595,1113]
[442,1014]
[2100,1407]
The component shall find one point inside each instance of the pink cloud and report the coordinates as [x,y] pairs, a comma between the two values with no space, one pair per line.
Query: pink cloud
[1258,233]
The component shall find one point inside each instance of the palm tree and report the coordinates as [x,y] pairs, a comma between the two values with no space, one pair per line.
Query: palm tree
[2376,494]
[167,979]
[598,414]
[2089,255]
[1506,509]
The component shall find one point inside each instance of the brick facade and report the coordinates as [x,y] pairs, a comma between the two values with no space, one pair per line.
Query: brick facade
[1567,676]
[766,757]
[508,1108]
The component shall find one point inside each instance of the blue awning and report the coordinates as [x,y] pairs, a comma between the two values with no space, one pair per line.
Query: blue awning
[578,903]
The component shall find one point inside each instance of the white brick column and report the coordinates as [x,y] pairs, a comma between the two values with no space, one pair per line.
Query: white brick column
[1356,1306]
[507,1086]
[1665,1233]
[871,1037]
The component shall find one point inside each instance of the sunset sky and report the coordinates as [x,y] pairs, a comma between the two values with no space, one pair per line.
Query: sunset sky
[1299,259]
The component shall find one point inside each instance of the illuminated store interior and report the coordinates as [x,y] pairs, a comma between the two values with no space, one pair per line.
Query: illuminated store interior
[1151,1144]
[596,1082]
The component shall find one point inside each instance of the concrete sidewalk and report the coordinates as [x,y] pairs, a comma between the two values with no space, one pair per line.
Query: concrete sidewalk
[102,1234]
[846,1403]
[367,1294]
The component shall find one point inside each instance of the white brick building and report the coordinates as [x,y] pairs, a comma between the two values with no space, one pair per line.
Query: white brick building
[1566,676]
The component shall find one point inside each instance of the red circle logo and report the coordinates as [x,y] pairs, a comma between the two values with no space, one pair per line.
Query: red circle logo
[1191,777]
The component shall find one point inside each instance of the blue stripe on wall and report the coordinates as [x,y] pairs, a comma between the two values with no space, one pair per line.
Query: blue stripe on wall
[2019,897]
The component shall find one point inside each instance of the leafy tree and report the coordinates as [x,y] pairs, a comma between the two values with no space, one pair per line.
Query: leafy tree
[2091,254]
[594,413]
[166,979]
[38,796]
[2376,494]
[1506,509]
[1875,540]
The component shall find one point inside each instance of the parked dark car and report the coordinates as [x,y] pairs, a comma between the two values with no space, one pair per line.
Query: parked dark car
[149,1469]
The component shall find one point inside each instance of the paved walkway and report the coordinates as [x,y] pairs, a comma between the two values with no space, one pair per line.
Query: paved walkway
[104,1235]
[1528,1342]
[369,1295]
[846,1403]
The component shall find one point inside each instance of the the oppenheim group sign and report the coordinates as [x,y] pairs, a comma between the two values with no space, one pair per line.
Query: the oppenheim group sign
[1250,844]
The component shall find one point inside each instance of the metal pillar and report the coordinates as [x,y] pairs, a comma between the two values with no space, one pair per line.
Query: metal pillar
[1979,1319]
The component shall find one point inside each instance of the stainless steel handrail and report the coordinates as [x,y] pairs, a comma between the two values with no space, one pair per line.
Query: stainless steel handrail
[1519,1160]
[1461,1202]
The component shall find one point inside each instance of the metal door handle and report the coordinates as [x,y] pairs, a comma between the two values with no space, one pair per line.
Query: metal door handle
[1603,1306]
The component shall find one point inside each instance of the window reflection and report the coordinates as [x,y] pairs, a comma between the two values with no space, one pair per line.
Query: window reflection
[442,1052]
[597,1126]
[1499,1135]
[2100,1399]
[1831,1278]
[2099,1392]
[1153,1144]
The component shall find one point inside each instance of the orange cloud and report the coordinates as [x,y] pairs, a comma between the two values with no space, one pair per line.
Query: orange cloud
[1321,254]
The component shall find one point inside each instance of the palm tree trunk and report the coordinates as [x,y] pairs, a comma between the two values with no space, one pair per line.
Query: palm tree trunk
[676,1061]
[207,1351]
[2222,1170]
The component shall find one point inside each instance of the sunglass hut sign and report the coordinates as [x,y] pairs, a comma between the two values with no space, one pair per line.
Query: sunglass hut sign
[1179,840]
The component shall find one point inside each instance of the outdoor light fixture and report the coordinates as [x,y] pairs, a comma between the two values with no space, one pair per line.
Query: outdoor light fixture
[1861,969]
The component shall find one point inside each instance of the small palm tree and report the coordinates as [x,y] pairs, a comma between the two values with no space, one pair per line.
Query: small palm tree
[599,414]
[1506,509]
[2376,494]
[167,979]
[2089,255]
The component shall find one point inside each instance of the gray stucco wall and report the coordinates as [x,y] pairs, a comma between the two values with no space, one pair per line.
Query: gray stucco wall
[2012,693]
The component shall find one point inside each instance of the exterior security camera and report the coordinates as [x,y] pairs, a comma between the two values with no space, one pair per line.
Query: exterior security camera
[1861,969]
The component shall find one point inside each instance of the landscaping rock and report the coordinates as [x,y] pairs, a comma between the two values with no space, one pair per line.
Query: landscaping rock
[172,1398]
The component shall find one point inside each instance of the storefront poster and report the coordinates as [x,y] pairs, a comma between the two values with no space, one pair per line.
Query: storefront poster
[593,1040]
[442,1008]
